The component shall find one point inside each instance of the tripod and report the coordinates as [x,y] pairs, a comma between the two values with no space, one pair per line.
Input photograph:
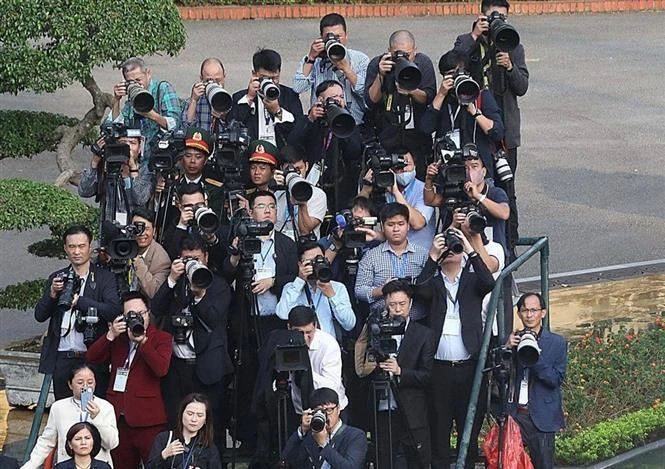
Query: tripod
[385,389]
[500,369]
[162,204]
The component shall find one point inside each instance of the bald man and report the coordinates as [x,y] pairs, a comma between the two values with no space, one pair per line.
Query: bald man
[197,112]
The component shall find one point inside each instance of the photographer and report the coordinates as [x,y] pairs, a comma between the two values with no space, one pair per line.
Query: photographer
[314,288]
[535,400]
[337,446]
[197,111]
[66,303]
[309,213]
[506,74]
[478,120]
[396,257]
[408,191]
[136,178]
[267,108]
[411,368]
[454,292]
[318,66]
[164,113]
[149,269]
[397,108]
[196,315]
[139,355]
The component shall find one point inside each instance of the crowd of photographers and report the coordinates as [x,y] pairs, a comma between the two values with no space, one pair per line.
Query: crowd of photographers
[302,279]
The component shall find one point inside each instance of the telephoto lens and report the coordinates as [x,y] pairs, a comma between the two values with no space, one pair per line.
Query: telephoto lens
[218,98]
[454,242]
[268,90]
[319,420]
[141,100]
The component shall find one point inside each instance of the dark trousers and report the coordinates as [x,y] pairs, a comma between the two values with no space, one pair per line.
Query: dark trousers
[65,363]
[404,454]
[512,226]
[134,444]
[451,389]
[540,444]
[182,380]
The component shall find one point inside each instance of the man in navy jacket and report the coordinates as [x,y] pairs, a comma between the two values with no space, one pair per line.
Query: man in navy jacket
[337,446]
[535,402]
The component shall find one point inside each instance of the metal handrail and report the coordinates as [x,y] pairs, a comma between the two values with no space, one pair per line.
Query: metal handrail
[538,245]
[39,414]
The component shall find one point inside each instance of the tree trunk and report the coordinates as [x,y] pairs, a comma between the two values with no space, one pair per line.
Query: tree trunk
[71,136]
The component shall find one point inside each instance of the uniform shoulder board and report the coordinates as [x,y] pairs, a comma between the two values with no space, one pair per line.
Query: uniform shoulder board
[213,182]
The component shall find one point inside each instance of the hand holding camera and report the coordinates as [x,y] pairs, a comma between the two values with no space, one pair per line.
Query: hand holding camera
[119,90]
[116,328]
[186,215]
[316,112]
[316,47]
[446,85]
[432,171]
[480,27]
[177,269]
[305,270]
[503,60]
[391,366]
[253,88]
[198,90]
[57,284]
[306,421]
[386,64]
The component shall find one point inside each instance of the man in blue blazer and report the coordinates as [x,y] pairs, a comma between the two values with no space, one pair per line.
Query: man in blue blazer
[535,399]
[337,446]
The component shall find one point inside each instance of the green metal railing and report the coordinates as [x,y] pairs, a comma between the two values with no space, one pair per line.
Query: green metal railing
[37,419]
[538,245]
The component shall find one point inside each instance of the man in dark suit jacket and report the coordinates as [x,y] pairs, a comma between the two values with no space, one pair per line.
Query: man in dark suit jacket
[410,370]
[139,358]
[536,395]
[64,345]
[455,295]
[338,445]
[200,359]
[265,117]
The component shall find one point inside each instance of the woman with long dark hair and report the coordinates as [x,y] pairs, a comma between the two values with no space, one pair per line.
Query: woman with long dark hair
[191,443]
[82,445]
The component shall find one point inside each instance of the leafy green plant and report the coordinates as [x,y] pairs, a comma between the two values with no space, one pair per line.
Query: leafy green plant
[23,295]
[26,133]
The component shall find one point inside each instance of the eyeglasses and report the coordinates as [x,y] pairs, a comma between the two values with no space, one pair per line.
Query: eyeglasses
[329,410]
[143,312]
[270,207]
[530,310]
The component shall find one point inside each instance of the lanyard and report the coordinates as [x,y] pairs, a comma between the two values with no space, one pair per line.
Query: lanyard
[190,454]
[401,272]
[453,118]
[263,258]
[450,297]
[130,356]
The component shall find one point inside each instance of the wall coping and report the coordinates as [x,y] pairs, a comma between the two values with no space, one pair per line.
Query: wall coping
[240,12]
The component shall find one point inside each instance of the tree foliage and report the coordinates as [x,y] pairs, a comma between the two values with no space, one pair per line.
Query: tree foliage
[50,44]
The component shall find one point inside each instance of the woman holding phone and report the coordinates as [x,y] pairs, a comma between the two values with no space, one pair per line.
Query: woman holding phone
[81,407]
[82,445]
[190,444]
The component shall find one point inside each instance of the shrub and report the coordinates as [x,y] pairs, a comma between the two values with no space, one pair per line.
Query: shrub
[27,133]
[23,295]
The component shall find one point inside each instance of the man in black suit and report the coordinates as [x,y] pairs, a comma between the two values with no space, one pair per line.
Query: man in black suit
[267,117]
[196,315]
[336,446]
[87,286]
[454,286]
[410,370]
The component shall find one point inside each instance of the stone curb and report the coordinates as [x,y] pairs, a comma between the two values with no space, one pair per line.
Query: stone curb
[412,9]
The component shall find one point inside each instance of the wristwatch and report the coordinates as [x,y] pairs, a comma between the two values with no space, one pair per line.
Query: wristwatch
[332,247]
[477,114]
[307,60]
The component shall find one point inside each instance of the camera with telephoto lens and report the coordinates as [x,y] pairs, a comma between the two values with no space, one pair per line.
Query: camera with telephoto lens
[504,37]
[501,167]
[474,217]
[454,243]
[114,153]
[466,89]
[119,241]
[72,285]
[406,73]
[322,271]
[381,329]
[198,275]
[141,99]
[135,323]
[181,323]
[248,231]
[219,99]
[332,48]
[382,163]
[205,218]
[319,421]
[528,351]
[85,323]
[339,120]
[268,89]
[299,188]
[167,150]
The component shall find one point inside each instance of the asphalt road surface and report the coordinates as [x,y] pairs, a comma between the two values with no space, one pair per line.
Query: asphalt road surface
[591,166]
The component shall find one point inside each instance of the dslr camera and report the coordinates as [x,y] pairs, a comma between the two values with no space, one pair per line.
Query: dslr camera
[466,89]
[72,285]
[322,271]
[333,49]
[205,218]
[382,163]
[198,275]
[86,323]
[219,99]
[339,120]
[135,323]
[319,420]
[167,151]
[504,37]
[248,231]
[406,73]
[268,89]
[381,329]
[528,351]
[501,167]
[141,99]
[181,323]
[299,188]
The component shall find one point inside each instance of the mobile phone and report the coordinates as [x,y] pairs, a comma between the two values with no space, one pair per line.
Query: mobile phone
[86,397]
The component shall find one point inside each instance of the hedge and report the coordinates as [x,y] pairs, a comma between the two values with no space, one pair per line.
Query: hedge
[27,133]
[23,295]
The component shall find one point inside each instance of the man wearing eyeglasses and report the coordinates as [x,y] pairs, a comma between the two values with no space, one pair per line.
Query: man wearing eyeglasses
[139,357]
[337,446]
[535,401]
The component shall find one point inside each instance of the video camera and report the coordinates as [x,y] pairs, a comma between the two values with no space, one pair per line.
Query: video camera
[167,150]
[504,37]
[219,99]
[382,163]
[86,324]
[352,238]
[119,241]
[229,155]
[407,74]
[339,120]
[113,152]
[333,49]
[381,329]
[248,231]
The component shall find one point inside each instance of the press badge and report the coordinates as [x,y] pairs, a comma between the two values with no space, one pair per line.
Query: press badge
[454,136]
[451,326]
[120,383]
[263,273]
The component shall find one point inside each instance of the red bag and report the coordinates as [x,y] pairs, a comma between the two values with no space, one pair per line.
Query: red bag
[514,454]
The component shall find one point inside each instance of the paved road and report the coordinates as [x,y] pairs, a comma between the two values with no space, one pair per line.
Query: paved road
[592,164]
